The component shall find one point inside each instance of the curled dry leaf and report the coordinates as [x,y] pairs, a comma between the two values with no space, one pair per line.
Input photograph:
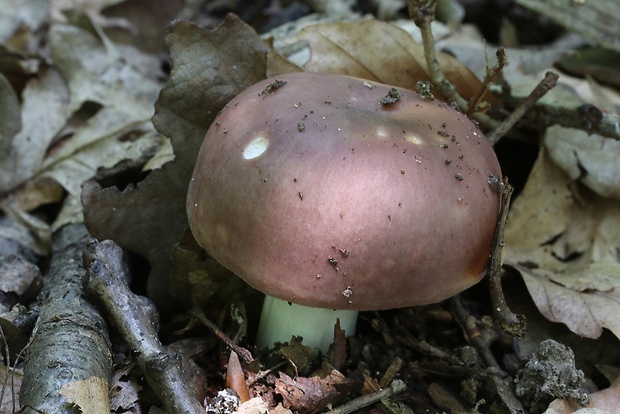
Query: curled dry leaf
[235,379]
[376,51]
[309,395]
[564,240]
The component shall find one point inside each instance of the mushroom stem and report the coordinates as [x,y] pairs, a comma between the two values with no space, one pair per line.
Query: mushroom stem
[280,320]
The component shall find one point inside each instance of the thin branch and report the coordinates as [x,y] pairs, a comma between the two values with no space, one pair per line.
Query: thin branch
[197,313]
[510,322]
[501,380]
[544,86]
[168,373]
[422,12]
[490,76]
[397,386]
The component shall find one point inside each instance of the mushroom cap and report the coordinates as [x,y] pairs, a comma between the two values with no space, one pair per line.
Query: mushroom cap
[312,191]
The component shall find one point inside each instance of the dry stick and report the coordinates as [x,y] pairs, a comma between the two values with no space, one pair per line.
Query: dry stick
[136,319]
[242,352]
[422,12]
[391,372]
[490,76]
[510,322]
[501,379]
[544,86]
[397,386]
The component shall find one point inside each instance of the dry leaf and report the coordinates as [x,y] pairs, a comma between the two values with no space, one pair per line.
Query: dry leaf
[124,390]
[338,355]
[139,23]
[607,399]
[235,378]
[564,240]
[208,69]
[377,51]
[253,406]
[19,19]
[201,281]
[258,405]
[10,122]
[90,7]
[597,21]
[10,396]
[44,111]
[89,110]
[310,395]
[17,275]
[592,159]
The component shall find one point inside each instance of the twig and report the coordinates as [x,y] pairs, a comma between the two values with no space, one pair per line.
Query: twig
[490,76]
[510,322]
[397,386]
[473,333]
[136,318]
[391,372]
[548,83]
[263,374]
[584,117]
[242,352]
[501,379]
[422,12]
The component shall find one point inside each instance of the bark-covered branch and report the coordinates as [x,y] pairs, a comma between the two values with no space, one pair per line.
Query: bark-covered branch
[175,379]
[68,360]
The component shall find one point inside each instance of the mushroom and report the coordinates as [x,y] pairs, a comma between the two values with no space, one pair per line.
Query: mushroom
[333,194]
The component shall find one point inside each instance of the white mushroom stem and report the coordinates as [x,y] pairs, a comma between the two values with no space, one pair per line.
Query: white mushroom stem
[280,320]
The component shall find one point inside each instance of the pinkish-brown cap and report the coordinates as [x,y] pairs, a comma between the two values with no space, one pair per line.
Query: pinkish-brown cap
[315,189]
